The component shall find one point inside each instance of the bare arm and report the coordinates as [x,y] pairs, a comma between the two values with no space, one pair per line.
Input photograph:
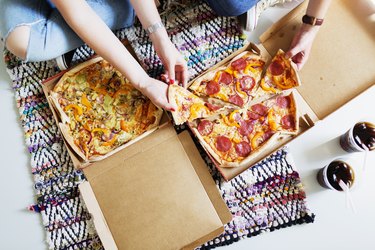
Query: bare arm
[302,42]
[318,8]
[81,18]
[175,65]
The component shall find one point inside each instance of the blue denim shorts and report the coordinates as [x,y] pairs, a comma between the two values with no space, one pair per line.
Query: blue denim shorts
[231,7]
[50,35]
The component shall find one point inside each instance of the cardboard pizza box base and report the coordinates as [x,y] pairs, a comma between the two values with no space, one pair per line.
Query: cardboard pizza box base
[155,193]
[168,192]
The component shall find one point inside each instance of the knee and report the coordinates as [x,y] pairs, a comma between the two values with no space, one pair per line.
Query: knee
[18,40]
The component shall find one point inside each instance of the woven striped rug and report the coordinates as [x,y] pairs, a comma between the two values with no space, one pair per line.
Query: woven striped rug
[266,197]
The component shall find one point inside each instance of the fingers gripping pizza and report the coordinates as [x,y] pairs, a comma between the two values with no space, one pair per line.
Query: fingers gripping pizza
[190,106]
[281,74]
[100,109]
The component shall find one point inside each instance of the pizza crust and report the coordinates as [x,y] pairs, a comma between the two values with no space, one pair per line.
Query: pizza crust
[73,71]
[206,77]
[55,102]
[173,93]
[295,115]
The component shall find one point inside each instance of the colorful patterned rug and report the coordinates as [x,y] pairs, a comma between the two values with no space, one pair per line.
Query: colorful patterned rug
[266,197]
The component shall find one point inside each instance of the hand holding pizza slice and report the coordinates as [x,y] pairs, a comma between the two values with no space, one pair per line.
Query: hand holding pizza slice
[281,74]
[189,106]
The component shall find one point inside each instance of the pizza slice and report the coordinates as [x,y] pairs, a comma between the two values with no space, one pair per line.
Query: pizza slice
[190,106]
[281,74]
[234,139]
[233,83]
[283,114]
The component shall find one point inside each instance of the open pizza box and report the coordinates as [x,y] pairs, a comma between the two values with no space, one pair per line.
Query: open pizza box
[154,193]
[340,67]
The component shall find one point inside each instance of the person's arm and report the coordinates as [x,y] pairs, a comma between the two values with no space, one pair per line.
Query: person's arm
[175,65]
[81,18]
[302,42]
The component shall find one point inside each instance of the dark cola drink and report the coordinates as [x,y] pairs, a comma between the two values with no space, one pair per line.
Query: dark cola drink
[361,137]
[330,175]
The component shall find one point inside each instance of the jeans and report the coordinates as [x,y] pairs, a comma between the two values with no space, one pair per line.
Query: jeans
[50,35]
[231,7]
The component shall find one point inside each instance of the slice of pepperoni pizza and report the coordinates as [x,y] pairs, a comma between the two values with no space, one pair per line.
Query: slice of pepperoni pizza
[190,106]
[283,114]
[233,83]
[234,139]
[281,74]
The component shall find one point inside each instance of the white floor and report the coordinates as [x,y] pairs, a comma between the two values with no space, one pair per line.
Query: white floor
[19,228]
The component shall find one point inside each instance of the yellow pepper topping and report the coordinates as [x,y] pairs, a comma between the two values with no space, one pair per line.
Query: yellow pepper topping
[86,102]
[217,76]
[228,122]
[196,109]
[239,90]
[255,140]
[284,84]
[221,96]
[76,109]
[266,87]
[272,120]
[110,142]
[101,130]
[123,126]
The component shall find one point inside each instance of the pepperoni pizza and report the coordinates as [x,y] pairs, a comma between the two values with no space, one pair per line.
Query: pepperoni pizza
[189,106]
[235,138]
[281,74]
[233,83]
[255,107]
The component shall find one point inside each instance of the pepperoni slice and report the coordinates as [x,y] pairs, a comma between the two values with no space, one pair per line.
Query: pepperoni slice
[236,99]
[205,127]
[253,115]
[212,88]
[246,128]
[260,109]
[283,101]
[223,144]
[287,122]
[247,83]
[212,107]
[185,107]
[267,135]
[276,68]
[225,78]
[243,149]
[239,64]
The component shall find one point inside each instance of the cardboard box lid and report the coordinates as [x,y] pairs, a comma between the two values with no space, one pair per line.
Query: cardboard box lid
[156,194]
[342,60]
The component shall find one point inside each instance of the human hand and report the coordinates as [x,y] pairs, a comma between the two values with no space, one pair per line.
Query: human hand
[157,92]
[174,63]
[300,47]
